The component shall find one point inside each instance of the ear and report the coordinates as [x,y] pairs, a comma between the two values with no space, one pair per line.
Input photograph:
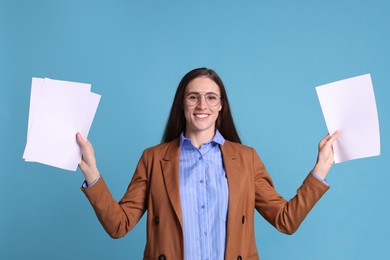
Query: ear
[220,107]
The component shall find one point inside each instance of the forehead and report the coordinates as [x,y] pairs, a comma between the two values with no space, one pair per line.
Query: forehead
[202,85]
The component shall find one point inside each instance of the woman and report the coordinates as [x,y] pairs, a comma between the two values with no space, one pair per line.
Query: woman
[200,186]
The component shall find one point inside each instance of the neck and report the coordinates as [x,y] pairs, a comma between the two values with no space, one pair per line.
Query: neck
[199,138]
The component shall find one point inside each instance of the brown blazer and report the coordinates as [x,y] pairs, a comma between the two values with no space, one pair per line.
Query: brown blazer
[155,188]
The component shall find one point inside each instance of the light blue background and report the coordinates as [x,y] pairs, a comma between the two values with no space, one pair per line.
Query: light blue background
[270,54]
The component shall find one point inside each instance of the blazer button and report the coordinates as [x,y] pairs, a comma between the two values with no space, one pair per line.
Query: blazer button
[157,221]
[239,257]
[162,257]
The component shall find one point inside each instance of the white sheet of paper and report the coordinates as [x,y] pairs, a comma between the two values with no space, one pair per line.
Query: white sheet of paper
[59,112]
[349,106]
[36,87]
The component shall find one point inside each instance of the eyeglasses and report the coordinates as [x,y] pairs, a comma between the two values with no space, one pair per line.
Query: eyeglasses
[212,99]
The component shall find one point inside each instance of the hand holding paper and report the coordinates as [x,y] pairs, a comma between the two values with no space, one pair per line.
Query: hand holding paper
[88,162]
[325,157]
[58,110]
[349,106]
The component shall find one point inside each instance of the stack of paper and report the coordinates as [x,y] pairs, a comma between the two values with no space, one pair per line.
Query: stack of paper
[58,110]
[349,106]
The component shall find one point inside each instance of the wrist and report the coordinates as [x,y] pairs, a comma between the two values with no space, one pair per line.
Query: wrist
[92,176]
[320,171]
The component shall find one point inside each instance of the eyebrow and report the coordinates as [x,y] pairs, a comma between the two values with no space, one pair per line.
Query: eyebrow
[194,92]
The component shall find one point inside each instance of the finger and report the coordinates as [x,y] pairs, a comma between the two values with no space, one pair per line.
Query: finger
[334,136]
[326,138]
[89,146]
[83,144]
[88,143]
[79,138]
[323,141]
[82,165]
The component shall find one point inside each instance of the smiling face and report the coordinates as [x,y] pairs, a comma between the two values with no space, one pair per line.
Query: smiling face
[200,116]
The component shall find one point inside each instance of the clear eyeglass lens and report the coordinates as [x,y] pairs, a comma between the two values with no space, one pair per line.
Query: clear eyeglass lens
[211,99]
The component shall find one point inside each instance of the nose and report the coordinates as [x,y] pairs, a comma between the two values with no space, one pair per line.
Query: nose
[202,102]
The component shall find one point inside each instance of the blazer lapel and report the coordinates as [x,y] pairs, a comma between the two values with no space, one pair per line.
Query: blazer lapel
[170,170]
[232,165]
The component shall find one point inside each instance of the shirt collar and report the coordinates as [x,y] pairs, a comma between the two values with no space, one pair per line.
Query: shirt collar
[217,139]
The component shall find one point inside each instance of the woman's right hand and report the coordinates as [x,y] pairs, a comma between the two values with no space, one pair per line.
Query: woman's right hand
[88,160]
[325,158]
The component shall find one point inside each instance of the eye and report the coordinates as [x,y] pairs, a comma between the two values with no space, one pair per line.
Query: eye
[212,97]
[192,97]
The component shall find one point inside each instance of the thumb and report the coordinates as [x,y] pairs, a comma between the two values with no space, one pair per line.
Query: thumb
[333,137]
[80,140]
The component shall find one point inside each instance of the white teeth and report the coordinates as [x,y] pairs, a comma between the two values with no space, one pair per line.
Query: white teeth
[202,116]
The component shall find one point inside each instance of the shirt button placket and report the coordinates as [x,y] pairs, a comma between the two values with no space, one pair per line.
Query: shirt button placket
[203,210]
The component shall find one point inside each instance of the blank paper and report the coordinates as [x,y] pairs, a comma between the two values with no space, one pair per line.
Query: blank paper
[58,110]
[349,106]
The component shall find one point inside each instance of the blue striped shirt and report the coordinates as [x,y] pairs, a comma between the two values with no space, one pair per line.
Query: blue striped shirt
[204,199]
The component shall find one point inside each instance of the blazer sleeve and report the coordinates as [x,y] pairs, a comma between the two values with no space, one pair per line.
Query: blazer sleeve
[118,218]
[284,215]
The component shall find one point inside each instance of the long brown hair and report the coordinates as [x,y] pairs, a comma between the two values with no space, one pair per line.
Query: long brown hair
[176,123]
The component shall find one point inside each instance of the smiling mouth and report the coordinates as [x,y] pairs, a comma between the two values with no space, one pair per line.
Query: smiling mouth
[201,115]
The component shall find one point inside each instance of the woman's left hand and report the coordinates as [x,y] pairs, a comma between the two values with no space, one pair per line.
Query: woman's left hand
[325,158]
